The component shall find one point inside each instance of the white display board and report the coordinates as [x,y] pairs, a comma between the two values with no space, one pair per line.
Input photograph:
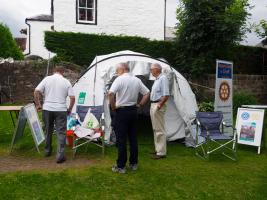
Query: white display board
[249,126]
[28,113]
[34,123]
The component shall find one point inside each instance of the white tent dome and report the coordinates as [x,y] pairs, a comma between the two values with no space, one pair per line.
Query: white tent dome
[91,90]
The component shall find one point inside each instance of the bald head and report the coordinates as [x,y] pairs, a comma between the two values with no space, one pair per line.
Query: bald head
[155,69]
[122,68]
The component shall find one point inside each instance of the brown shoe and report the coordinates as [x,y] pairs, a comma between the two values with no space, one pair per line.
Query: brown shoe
[157,157]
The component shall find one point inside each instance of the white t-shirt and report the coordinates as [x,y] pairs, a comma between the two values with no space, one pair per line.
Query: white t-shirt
[55,89]
[127,88]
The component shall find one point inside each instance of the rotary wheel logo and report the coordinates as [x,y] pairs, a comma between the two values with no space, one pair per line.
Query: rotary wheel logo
[224,91]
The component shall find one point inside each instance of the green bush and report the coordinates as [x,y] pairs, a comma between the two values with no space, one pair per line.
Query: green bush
[8,46]
[81,48]
[206,107]
[243,98]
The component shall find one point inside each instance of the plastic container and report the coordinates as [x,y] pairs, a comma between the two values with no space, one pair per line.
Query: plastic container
[70,137]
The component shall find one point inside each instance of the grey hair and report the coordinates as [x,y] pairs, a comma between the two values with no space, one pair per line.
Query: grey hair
[125,66]
[157,66]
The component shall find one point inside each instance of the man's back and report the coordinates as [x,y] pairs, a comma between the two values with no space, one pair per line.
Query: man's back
[55,89]
[127,88]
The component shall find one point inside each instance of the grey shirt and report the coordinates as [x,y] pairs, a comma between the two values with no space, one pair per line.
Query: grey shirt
[160,88]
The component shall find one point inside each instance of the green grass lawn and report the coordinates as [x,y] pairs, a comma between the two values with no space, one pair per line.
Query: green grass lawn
[181,175]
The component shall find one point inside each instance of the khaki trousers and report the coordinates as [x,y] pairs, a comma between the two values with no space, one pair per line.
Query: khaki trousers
[158,125]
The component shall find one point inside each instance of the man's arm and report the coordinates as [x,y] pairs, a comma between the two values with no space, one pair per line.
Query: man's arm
[112,102]
[144,100]
[72,101]
[37,94]
[162,101]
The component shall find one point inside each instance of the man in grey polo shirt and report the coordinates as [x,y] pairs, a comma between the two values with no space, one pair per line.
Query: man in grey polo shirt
[126,88]
[54,89]
[159,95]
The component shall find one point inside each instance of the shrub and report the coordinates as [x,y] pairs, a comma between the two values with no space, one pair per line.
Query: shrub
[8,46]
[80,48]
[206,107]
[243,98]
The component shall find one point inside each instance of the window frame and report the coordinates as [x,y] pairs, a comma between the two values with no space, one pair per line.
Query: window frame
[78,21]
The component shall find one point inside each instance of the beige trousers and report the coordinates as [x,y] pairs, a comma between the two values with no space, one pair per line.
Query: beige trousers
[158,125]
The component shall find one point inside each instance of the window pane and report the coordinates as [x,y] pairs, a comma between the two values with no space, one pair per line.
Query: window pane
[82,14]
[90,16]
[90,3]
[82,3]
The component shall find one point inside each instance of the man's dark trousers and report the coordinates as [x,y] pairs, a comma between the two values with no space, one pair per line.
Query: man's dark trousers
[125,126]
[57,119]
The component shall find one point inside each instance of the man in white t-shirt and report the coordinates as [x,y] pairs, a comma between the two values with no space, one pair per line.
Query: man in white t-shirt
[126,88]
[55,89]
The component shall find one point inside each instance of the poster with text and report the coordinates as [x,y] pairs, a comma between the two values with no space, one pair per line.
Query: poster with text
[249,124]
[224,92]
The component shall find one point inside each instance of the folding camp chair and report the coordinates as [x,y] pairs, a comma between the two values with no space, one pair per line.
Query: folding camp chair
[97,138]
[210,127]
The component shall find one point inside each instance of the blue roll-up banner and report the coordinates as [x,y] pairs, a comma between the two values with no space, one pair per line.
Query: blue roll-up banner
[224,92]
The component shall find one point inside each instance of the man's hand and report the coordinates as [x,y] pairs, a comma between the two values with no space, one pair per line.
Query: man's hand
[37,94]
[112,103]
[39,107]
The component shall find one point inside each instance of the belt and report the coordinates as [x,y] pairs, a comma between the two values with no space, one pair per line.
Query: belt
[124,107]
[155,101]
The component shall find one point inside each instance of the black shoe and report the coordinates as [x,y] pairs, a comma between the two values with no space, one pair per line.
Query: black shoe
[157,157]
[62,160]
[47,154]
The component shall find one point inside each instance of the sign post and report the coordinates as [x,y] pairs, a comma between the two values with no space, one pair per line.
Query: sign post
[249,126]
[224,92]
[28,113]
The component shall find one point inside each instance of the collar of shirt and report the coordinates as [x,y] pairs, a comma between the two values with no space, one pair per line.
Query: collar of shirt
[159,76]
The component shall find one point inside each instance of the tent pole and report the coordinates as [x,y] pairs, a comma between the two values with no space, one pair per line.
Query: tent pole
[95,81]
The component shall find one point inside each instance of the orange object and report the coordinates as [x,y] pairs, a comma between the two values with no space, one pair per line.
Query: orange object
[70,137]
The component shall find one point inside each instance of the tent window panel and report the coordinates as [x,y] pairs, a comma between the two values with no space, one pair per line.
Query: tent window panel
[86,11]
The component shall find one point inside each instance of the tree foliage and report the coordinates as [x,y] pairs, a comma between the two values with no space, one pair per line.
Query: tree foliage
[8,46]
[206,30]
[261,29]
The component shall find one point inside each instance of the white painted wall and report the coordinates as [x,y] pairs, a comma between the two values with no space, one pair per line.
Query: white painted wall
[144,18]
[37,38]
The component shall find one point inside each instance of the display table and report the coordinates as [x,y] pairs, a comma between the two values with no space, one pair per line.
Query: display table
[12,109]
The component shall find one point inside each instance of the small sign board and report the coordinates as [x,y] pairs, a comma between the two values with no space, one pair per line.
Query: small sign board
[249,126]
[28,113]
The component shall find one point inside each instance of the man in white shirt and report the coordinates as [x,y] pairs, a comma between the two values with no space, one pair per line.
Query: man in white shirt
[55,89]
[159,95]
[126,88]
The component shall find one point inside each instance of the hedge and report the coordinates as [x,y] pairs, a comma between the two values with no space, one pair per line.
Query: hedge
[81,48]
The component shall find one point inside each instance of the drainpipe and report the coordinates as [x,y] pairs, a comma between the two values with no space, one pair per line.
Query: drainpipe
[165,20]
[29,38]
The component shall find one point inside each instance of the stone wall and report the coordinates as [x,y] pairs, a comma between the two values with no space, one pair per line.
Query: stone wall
[23,77]
[19,79]
[254,84]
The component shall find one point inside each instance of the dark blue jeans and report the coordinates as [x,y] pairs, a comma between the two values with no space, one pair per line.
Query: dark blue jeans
[125,127]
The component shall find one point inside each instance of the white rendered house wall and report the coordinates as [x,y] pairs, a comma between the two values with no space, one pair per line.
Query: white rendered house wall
[37,43]
[144,18]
